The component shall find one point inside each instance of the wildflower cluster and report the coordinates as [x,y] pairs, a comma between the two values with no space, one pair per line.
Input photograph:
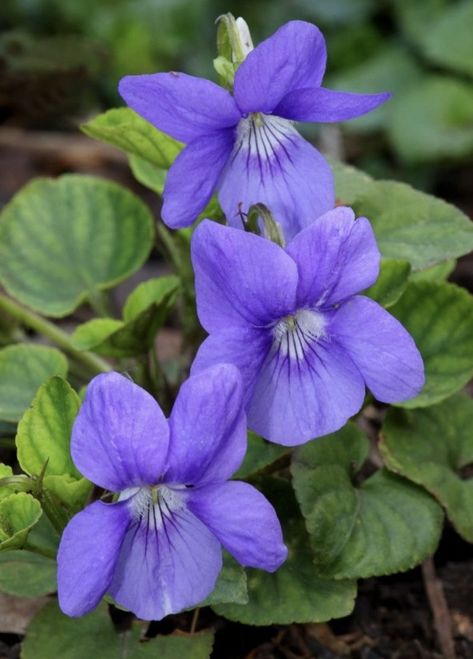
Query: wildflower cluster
[290,341]
[307,431]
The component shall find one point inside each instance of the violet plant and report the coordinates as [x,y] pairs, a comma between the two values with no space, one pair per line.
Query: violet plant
[316,435]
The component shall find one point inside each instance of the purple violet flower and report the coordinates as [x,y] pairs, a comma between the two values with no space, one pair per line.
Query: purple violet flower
[158,548]
[305,343]
[245,145]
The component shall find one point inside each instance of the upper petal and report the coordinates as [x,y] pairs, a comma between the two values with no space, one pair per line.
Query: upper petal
[240,278]
[169,561]
[327,105]
[307,387]
[87,555]
[181,105]
[293,57]
[383,350]
[193,177]
[120,436]
[243,520]
[208,427]
[272,164]
[336,256]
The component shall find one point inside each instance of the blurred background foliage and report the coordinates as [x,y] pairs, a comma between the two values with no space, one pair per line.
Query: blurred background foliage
[60,61]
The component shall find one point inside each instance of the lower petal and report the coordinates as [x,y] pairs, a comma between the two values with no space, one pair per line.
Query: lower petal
[246,348]
[169,561]
[244,521]
[383,350]
[272,164]
[192,179]
[87,555]
[305,394]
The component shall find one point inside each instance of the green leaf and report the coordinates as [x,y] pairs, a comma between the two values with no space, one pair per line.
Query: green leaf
[447,41]
[98,335]
[445,131]
[144,313]
[147,174]
[385,525]
[18,514]
[160,292]
[72,491]
[126,130]
[409,225]
[23,368]
[259,455]
[294,593]
[438,272]
[230,586]
[54,251]
[5,472]
[414,226]
[391,283]
[52,634]
[350,182]
[439,316]
[432,447]
[45,429]
[43,438]
[25,574]
[43,537]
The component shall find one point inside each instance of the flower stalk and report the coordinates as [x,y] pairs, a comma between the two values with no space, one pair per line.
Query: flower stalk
[62,339]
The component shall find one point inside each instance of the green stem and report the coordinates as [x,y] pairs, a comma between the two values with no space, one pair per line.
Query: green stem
[168,243]
[57,336]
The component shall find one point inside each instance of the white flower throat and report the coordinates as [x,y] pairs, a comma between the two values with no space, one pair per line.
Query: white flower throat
[152,505]
[262,136]
[295,334]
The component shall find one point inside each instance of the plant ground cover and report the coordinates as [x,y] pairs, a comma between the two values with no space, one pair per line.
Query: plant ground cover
[84,264]
[392,617]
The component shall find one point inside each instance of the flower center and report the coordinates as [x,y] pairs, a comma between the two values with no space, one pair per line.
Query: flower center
[295,334]
[262,135]
[153,504]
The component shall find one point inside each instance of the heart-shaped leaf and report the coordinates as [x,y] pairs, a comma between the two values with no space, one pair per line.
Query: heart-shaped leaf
[43,440]
[433,447]
[52,634]
[409,225]
[25,574]
[63,241]
[384,525]
[24,368]
[230,586]
[439,316]
[294,593]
